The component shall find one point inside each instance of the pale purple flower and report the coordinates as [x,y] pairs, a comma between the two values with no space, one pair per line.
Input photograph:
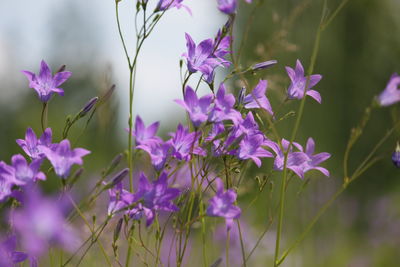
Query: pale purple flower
[200,57]
[391,94]
[222,204]
[44,83]
[40,223]
[184,144]
[5,186]
[247,127]
[223,109]
[168,4]
[25,173]
[295,160]
[158,152]
[298,83]
[251,148]
[314,160]
[156,196]
[143,134]
[228,6]
[9,256]
[62,157]
[119,198]
[257,98]
[198,108]
[217,129]
[31,145]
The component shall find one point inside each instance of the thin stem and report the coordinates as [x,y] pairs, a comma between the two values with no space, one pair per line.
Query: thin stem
[43,118]
[227,247]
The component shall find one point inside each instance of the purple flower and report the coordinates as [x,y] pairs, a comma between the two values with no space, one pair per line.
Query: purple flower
[45,84]
[40,223]
[156,196]
[251,148]
[222,204]
[314,160]
[62,157]
[5,185]
[223,109]
[396,156]
[228,6]
[31,145]
[145,135]
[184,143]
[295,160]
[298,83]
[198,109]
[8,255]
[391,94]
[25,173]
[119,198]
[168,4]
[158,152]
[257,98]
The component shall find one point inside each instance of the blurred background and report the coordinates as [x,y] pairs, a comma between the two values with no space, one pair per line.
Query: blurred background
[359,51]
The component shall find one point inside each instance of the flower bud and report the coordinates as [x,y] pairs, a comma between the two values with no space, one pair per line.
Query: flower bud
[241,95]
[61,69]
[119,177]
[117,230]
[263,65]
[88,106]
[396,156]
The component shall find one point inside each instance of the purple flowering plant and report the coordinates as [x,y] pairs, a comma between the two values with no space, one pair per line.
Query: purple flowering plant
[176,185]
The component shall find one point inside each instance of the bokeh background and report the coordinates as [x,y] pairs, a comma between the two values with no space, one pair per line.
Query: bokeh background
[359,52]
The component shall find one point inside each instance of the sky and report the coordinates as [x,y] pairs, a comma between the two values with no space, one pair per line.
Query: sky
[74,30]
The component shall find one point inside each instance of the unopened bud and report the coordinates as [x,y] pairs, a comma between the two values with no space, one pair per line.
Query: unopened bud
[396,156]
[119,177]
[117,229]
[114,163]
[61,69]
[88,106]
[263,65]
[241,95]
[107,94]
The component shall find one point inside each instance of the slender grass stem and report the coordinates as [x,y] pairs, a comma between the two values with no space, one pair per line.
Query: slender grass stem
[43,119]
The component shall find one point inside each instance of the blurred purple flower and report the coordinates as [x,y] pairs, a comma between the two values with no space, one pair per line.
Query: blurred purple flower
[391,94]
[156,196]
[222,204]
[198,108]
[31,145]
[223,109]
[251,148]
[257,98]
[298,83]
[184,144]
[396,156]
[158,152]
[40,223]
[62,157]
[168,4]
[8,255]
[44,83]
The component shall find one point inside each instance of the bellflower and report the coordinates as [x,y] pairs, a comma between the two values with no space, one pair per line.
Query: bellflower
[156,196]
[119,198]
[198,108]
[62,157]
[295,160]
[40,223]
[44,83]
[158,152]
[257,98]
[298,83]
[145,135]
[168,4]
[222,204]
[184,143]
[223,109]
[314,160]
[31,145]
[25,173]
[251,148]
[5,183]
[391,94]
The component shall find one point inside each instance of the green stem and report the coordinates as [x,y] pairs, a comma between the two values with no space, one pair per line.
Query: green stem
[227,247]
[43,118]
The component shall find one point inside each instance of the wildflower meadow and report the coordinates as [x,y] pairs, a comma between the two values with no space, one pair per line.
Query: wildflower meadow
[283,148]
